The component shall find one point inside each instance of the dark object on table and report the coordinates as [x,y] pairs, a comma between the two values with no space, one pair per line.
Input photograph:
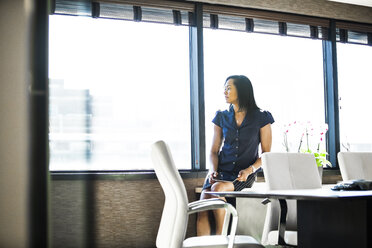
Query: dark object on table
[354,185]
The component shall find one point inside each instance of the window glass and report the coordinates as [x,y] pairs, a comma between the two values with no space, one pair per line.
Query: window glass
[355,87]
[115,88]
[287,78]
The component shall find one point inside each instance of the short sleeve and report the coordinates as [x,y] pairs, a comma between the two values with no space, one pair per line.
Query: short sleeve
[218,119]
[266,118]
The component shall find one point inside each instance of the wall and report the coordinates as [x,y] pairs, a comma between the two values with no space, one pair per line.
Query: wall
[319,8]
[13,123]
[126,213]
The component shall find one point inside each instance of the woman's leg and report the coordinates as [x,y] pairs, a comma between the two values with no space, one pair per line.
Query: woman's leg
[219,214]
[202,222]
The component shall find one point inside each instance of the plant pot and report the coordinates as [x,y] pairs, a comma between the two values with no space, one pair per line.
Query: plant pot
[320,170]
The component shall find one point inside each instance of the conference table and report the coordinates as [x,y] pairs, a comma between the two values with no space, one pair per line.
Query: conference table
[325,218]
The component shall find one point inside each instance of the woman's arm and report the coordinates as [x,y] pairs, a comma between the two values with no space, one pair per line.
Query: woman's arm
[266,139]
[216,145]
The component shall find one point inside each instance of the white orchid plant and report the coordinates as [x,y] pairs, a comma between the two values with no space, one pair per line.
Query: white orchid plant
[312,137]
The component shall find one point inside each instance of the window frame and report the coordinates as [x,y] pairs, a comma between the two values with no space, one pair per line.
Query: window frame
[196,60]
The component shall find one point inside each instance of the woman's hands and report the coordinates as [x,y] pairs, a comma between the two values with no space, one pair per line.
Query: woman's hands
[211,177]
[243,174]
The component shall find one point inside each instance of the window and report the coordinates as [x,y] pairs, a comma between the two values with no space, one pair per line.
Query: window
[115,88]
[119,81]
[355,87]
[286,73]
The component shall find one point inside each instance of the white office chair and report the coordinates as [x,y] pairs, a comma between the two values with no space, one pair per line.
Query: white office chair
[285,171]
[355,165]
[172,229]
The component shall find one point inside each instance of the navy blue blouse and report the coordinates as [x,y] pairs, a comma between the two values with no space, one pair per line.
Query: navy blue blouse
[240,146]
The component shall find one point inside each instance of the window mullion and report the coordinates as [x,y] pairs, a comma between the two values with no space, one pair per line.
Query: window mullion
[197,91]
[331,94]
[39,126]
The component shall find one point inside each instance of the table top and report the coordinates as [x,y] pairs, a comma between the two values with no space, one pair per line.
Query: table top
[298,194]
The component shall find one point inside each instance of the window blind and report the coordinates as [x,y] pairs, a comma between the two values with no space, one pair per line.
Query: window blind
[356,33]
[70,7]
[216,17]
[261,21]
[170,12]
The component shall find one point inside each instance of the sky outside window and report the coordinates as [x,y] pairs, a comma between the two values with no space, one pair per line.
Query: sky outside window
[355,87]
[287,78]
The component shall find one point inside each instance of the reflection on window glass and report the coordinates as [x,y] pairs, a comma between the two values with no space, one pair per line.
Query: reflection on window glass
[355,87]
[287,78]
[115,88]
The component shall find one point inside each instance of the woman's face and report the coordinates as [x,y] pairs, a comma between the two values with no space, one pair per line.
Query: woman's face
[231,94]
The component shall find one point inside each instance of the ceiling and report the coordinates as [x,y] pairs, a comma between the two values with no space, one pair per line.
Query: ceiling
[367,3]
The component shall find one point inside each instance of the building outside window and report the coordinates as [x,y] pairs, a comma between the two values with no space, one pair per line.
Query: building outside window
[115,88]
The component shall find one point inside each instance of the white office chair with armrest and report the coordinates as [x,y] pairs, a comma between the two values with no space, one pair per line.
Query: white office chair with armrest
[285,171]
[173,224]
[355,165]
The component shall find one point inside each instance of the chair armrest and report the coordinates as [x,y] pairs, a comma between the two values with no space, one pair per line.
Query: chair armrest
[197,203]
[210,204]
[215,203]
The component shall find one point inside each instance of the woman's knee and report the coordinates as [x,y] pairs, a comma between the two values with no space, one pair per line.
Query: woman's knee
[222,187]
[204,196]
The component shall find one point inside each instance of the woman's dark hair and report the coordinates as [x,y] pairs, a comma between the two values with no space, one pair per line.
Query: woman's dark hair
[245,92]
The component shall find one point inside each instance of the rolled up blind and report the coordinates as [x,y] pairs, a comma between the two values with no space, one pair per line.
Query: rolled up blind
[70,7]
[170,12]
[356,33]
[216,17]
[261,21]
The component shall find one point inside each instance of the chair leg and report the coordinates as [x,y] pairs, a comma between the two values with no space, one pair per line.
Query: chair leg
[232,201]
[282,221]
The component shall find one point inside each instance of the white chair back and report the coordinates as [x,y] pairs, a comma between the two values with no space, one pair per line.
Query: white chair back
[285,171]
[290,171]
[172,229]
[355,165]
